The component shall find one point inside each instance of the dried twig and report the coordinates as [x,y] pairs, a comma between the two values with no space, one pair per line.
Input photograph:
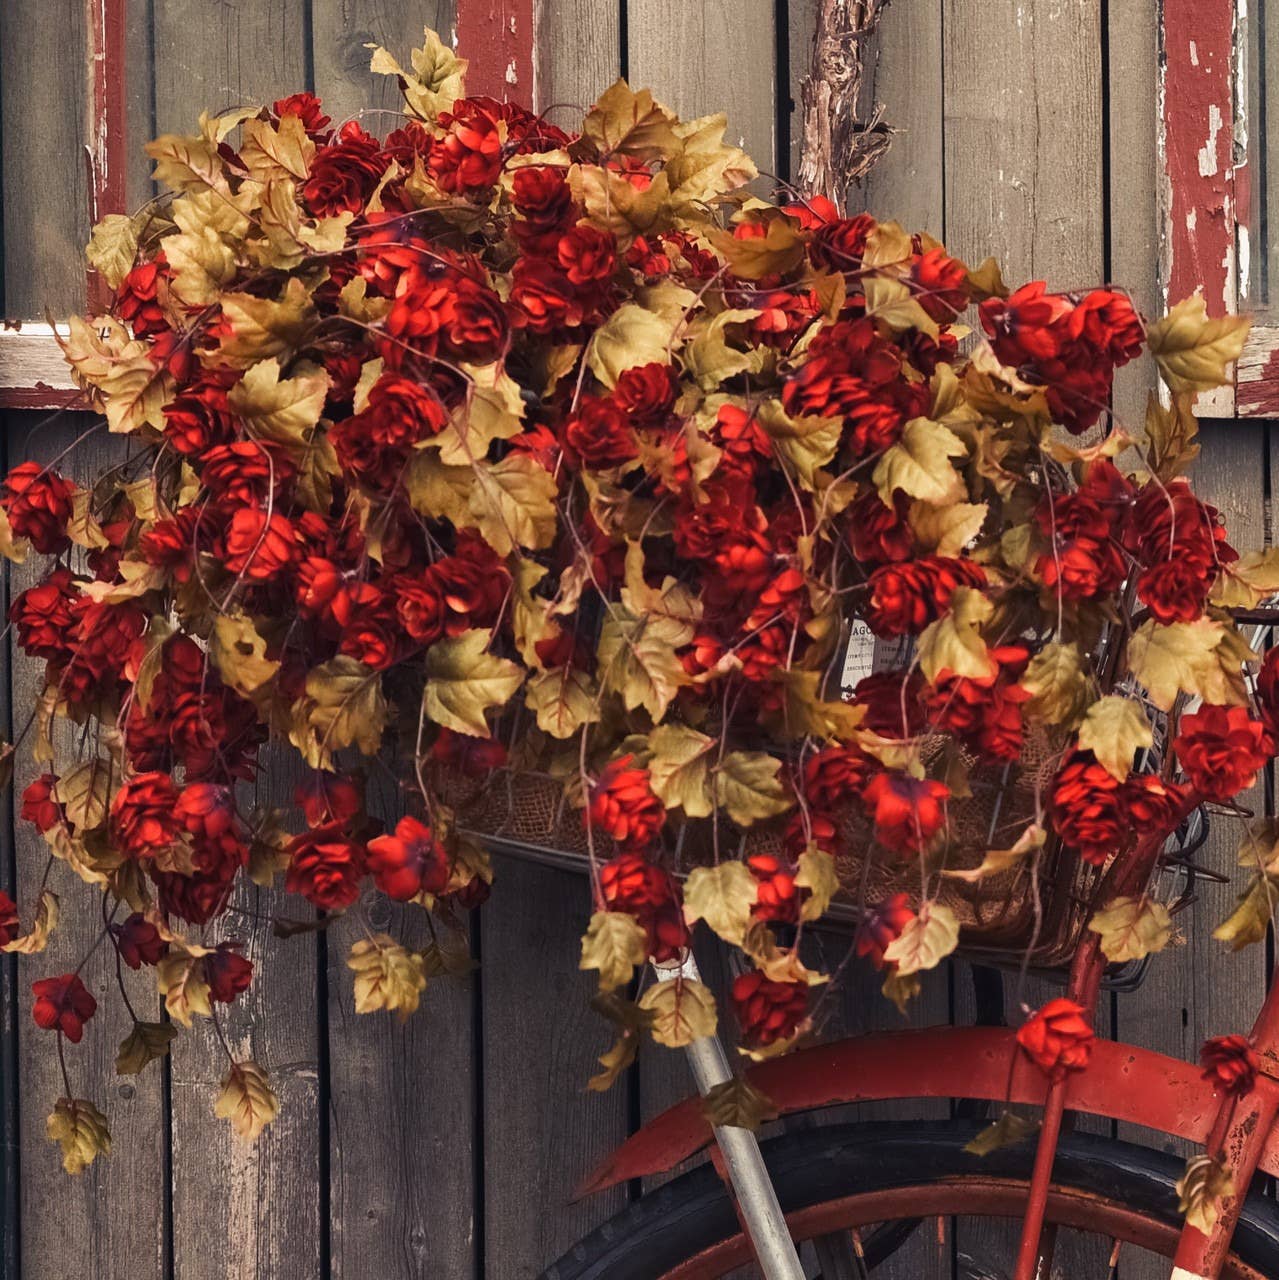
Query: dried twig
[839,147]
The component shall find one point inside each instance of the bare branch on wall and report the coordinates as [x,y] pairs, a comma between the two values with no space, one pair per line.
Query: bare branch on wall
[839,147]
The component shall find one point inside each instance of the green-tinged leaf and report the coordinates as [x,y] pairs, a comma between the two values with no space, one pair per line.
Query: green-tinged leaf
[464,681]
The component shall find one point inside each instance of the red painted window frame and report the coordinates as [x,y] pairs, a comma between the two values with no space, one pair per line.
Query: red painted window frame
[496,35]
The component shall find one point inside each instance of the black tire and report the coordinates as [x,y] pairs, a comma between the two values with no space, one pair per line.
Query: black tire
[814,1166]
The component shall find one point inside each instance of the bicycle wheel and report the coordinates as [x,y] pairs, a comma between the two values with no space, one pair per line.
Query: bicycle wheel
[831,1181]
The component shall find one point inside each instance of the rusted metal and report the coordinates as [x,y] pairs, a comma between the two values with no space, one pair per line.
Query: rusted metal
[1123,1082]
[496,37]
[1067,1207]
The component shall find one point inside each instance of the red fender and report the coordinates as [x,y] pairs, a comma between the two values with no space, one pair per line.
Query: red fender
[1121,1082]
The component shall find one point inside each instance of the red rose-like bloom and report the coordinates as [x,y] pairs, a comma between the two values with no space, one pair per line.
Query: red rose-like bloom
[257,546]
[768,1011]
[144,820]
[1058,1038]
[199,417]
[906,597]
[227,973]
[38,503]
[44,615]
[1153,806]
[636,886]
[469,155]
[1221,749]
[137,298]
[908,812]
[776,895]
[587,254]
[307,108]
[325,867]
[344,173]
[646,392]
[329,797]
[1268,689]
[410,862]
[835,775]
[878,533]
[471,756]
[63,1004]
[1087,811]
[881,925]
[1174,591]
[600,435]
[1229,1063]
[139,941]
[623,805]
[10,922]
[38,805]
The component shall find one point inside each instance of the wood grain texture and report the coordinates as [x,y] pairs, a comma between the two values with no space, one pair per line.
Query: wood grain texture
[42,103]
[801,16]
[542,1130]
[579,54]
[235,53]
[342,28]
[714,55]
[1134,191]
[906,184]
[1023,136]
[109,1222]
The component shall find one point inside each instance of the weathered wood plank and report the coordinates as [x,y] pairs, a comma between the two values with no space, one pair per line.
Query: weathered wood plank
[542,1130]
[42,103]
[717,55]
[1133,215]
[110,1221]
[342,29]
[1257,375]
[240,1210]
[579,54]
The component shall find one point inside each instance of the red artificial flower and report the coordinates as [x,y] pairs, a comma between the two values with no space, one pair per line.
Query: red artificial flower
[38,805]
[410,862]
[325,867]
[940,284]
[199,416]
[1221,750]
[1174,591]
[630,883]
[468,157]
[600,435]
[245,473]
[329,797]
[259,546]
[1230,1064]
[768,1011]
[622,805]
[10,922]
[227,972]
[586,254]
[882,925]
[63,1004]
[1153,806]
[138,941]
[777,898]
[343,173]
[1058,1038]
[892,703]
[195,898]
[471,756]
[906,597]
[144,819]
[544,297]
[1087,808]
[877,533]
[907,812]
[38,502]
[44,615]
[307,107]
[839,243]
[646,392]
[1268,689]
[137,298]
[457,593]
[544,202]
[835,775]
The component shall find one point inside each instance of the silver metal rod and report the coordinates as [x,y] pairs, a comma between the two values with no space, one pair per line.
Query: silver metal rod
[756,1198]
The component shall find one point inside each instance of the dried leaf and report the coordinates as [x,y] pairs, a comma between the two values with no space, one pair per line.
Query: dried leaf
[1187,657]
[113,247]
[180,978]
[1193,351]
[464,681]
[80,1129]
[1132,928]
[614,944]
[737,1104]
[750,788]
[925,941]
[387,976]
[247,1100]
[1007,1131]
[679,768]
[46,921]
[145,1043]
[722,896]
[682,1011]
[1114,730]
[919,464]
[1201,1190]
[818,875]
[1057,684]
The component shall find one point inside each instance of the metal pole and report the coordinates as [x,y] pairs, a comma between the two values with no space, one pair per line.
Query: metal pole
[775,1250]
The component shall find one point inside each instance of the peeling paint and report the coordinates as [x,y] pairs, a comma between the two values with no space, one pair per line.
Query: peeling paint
[1208,152]
[496,36]
[1194,54]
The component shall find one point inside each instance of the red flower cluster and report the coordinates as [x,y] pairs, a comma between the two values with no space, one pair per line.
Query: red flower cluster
[63,1004]
[1057,1038]
[1229,1063]
[644,890]
[622,805]
[768,1011]
[1221,750]
[410,862]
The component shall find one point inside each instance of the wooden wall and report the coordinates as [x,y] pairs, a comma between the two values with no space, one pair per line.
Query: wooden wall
[446,1149]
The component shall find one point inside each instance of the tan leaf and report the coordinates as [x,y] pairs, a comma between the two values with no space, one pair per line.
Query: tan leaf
[247,1100]
[269,152]
[891,302]
[707,356]
[679,768]
[630,1020]
[946,530]
[1201,1190]
[145,1043]
[919,464]
[1193,351]
[629,122]
[925,941]
[631,336]
[387,976]
[1058,686]
[1114,730]
[682,1011]
[238,651]
[614,944]
[180,978]
[281,411]
[1247,923]
[84,794]
[1170,433]
[134,393]
[901,988]
[344,707]
[492,410]
[1187,657]
[953,645]
[562,700]
[737,1104]
[80,1129]
[750,788]
[637,659]
[777,252]
[1132,928]
[29,944]
[1248,581]
[722,896]
[512,503]
[998,860]
[817,874]
[435,82]
[464,681]
[113,247]
[261,328]
[1007,1131]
